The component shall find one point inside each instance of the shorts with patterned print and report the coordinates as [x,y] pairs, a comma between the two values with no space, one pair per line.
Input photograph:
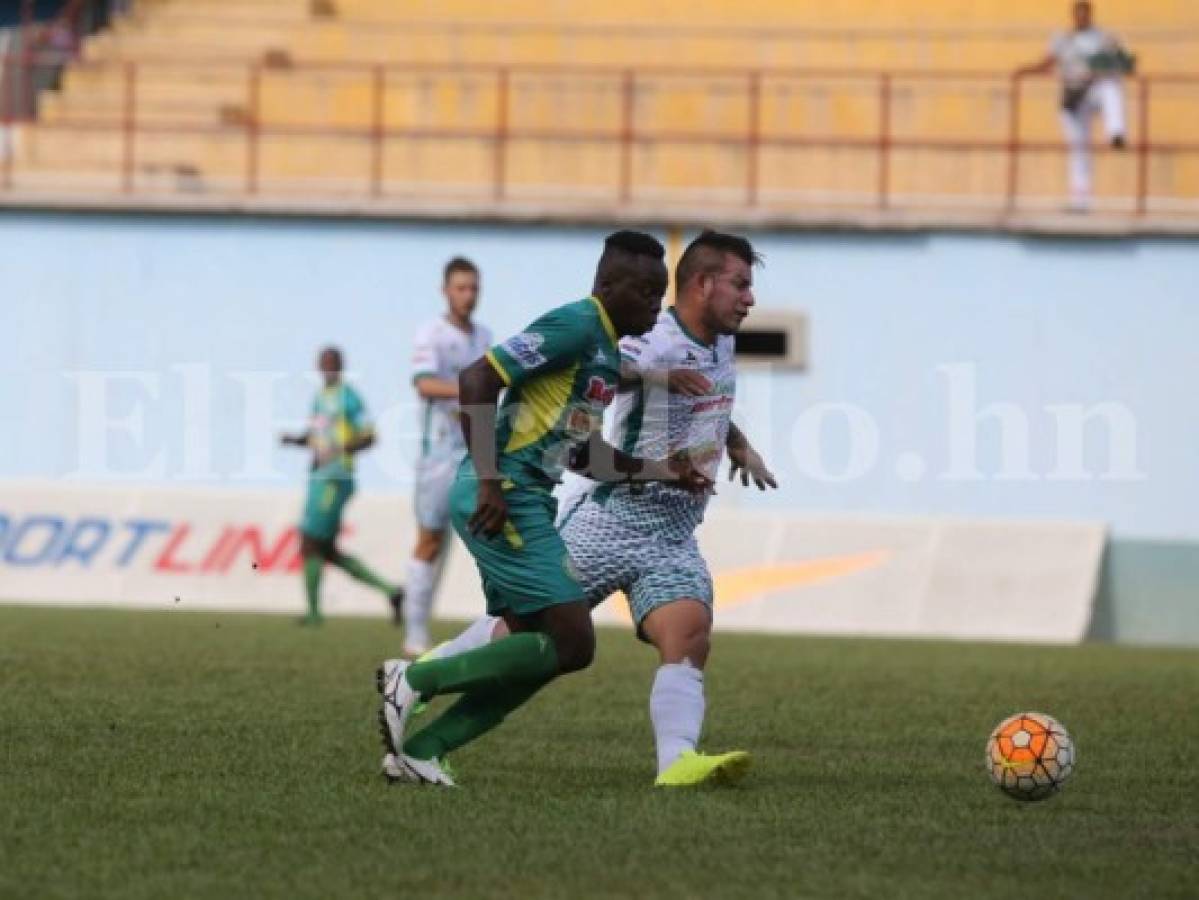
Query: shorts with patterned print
[610,555]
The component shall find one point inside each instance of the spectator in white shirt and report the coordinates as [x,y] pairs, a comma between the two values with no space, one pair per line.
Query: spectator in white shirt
[1091,63]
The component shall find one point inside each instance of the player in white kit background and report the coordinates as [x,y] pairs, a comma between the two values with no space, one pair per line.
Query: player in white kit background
[444,347]
[1090,62]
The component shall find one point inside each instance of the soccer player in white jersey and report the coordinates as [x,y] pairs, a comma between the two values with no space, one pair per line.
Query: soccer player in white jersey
[444,347]
[1090,62]
[639,538]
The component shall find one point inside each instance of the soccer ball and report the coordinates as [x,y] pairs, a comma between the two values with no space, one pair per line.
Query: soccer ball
[1030,756]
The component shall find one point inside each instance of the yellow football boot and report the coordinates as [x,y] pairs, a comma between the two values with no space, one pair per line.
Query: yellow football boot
[693,768]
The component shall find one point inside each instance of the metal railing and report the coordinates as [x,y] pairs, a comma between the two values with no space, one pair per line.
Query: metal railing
[624,128]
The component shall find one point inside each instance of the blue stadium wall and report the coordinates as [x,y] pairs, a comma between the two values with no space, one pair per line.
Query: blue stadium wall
[192,309]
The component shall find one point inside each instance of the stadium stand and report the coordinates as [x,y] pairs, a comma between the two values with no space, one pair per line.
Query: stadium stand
[879,103]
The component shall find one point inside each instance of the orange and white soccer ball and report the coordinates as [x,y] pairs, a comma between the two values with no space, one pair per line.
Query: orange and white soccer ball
[1030,756]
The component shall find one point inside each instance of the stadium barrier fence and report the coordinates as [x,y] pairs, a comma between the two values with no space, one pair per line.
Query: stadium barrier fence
[627,104]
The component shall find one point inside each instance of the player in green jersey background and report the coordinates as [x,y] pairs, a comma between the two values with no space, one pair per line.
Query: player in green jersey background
[338,430]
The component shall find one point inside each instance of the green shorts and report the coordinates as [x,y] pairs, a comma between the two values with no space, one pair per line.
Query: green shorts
[327,497]
[525,568]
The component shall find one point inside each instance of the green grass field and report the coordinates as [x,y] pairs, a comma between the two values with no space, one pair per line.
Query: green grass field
[181,754]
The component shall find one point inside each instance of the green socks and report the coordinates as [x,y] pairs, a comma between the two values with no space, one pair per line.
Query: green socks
[515,660]
[357,570]
[473,715]
[313,566]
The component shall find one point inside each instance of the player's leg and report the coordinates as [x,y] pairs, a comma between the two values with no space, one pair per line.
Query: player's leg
[672,605]
[1109,96]
[1076,125]
[314,566]
[422,580]
[601,550]
[482,630]
[681,632]
[318,529]
[337,496]
[434,479]
[527,578]
[488,696]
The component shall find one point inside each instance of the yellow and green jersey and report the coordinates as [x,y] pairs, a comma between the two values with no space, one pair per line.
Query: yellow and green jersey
[561,372]
[338,416]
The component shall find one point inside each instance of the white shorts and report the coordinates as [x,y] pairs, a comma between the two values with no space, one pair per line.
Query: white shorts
[434,478]
[610,555]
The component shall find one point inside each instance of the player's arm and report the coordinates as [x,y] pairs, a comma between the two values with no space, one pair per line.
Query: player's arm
[479,387]
[677,381]
[600,461]
[426,363]
[296,440]
[745,459]
[1042,66]
[362,440]
[361,430]
[643,361]
[430,387]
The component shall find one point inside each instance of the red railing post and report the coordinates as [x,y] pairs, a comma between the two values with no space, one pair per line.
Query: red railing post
[1143,151]
[6,151]
[884,140]
[627,113]
[129,120]
[378,88]
[1013,141]
[253,92]
[753,139]
[25,70]
[501,132]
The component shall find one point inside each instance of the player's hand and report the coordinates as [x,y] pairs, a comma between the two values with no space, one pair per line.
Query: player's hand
[491,510]
[689,478]
[688,382]
[326,455]
[746,461]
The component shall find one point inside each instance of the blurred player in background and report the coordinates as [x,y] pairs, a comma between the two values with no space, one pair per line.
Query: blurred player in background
[444,347]
[677,393]
[337,431]
[1091,63]
[560,373]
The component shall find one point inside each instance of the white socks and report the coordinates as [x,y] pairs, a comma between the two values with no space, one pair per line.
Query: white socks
[477,634]
[676,706]
[418,604]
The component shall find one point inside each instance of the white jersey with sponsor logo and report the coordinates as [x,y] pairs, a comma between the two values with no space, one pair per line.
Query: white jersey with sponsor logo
[442,350]
[651,422]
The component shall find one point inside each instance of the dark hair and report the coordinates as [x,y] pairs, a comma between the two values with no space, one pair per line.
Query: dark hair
[636,243]
[330,350]
[458,264]
[705,255]
[621,247]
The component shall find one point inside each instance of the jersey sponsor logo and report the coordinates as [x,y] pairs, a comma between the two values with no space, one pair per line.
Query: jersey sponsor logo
[525,348]
[599,391]
[708,405]
[581,422]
